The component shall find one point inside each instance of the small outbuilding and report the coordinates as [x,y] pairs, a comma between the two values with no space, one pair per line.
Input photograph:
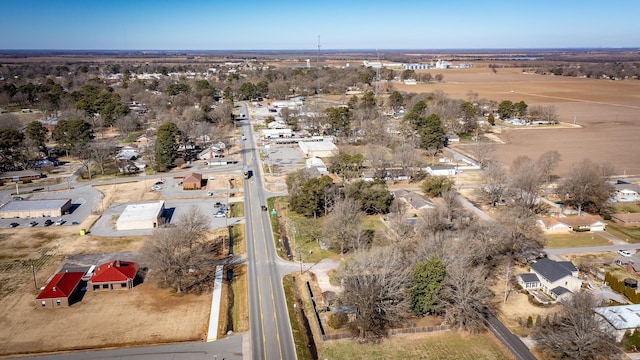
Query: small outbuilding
[141,216]
[192,181]
[441,170]
[35,208]
[63,290]
[114,275]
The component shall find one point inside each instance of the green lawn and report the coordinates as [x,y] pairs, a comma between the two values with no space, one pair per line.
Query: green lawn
[556,241]
[442,345]
[629,234]
[299,336]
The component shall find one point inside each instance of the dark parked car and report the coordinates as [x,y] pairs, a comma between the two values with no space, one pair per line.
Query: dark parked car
[33,223]
[14,224]
[48,222]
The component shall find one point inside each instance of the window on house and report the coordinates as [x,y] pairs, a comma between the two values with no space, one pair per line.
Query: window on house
[105,286]
[44,303]
[123,285]
[58,302]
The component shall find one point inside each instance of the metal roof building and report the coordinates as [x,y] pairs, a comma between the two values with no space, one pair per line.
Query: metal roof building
[141,216]
[35,208]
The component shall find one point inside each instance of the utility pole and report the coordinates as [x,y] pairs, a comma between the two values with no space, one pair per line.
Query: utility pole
[33,270]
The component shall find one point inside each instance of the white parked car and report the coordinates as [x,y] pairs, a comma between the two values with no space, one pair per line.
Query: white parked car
[220,214]
[156,188]
[624,252]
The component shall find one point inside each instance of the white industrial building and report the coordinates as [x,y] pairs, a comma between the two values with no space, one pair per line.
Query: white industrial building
[141,216]
[35,208]
[321,149]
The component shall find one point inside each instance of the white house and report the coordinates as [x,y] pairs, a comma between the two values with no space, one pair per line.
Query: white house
[555,278]
[441,170]
[210,153]
[141,216]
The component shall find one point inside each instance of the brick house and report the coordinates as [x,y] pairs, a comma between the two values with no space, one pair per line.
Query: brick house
[63,290]
[114,275]
[192,181]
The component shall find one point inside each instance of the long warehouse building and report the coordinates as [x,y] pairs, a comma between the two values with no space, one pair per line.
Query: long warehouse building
[35,208]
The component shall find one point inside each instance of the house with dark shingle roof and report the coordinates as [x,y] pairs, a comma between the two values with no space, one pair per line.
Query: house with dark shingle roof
[114,275]
[555,278]
[62,290]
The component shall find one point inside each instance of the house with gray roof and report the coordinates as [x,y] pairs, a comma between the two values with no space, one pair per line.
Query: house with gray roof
[555,278]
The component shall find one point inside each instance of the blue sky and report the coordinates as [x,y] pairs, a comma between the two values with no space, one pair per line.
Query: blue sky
[296,25]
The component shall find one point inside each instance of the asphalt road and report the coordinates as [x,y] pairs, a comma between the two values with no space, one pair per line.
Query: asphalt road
[271,336]
[512,342]
[228,348]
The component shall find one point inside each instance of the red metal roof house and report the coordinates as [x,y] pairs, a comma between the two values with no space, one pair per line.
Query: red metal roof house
[114,275]
[63,290]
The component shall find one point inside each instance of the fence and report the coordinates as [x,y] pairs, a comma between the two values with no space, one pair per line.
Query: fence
[326,337]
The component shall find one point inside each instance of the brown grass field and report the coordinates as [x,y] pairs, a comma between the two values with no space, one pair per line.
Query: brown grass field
[607,112]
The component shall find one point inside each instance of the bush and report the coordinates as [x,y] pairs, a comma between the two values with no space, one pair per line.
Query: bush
[631,341]
[338,320]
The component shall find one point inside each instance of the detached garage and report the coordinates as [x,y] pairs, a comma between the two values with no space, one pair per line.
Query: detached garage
[322,149]
[141,216]
[35,208]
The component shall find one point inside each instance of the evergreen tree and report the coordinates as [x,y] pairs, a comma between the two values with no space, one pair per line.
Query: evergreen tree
[428,277]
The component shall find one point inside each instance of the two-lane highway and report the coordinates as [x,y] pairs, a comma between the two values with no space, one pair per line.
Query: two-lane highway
[271,336]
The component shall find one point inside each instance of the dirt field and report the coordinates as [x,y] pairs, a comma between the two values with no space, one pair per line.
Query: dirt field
[607,112]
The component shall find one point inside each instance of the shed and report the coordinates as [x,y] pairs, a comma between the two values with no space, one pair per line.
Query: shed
[141,216]
[35,208]
[63,290]
[192,181]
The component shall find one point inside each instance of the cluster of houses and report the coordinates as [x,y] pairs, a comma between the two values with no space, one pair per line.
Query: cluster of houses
[68,286]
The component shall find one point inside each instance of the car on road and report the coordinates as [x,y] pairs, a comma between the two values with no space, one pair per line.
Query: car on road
[220,214]
[210,193]
[14,224]
[59,222]
[624,252]
[33,223]
[48,222]
[263,207]
[211,178]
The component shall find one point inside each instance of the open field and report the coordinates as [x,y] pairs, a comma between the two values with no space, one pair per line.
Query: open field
[570,240]
[606,112]
[441,345]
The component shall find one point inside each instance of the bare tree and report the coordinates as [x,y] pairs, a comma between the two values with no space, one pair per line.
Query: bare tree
[178,251]
[586,186]
[102,155]
[525,180]
[343,227]
[407,157]
[375,282]
[495,182]
[578,332]
[466,295]
[547,162]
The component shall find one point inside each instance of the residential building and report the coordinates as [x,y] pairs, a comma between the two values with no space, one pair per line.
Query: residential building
[114,275]
[555,278]
[441,170]
[620,319]
[62,290]
[572,223]
[627,220]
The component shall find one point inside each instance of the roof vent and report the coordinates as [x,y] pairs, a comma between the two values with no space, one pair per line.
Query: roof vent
[54,288]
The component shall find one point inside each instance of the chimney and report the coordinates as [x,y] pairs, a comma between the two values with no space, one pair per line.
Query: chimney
[117,263]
